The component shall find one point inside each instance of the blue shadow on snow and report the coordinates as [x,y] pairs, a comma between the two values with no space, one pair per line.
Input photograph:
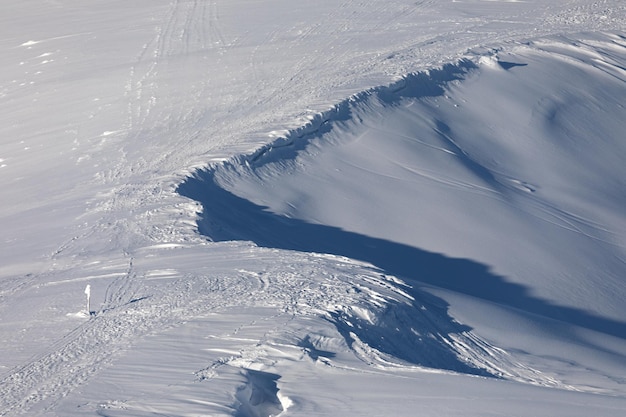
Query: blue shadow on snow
[229,217]
[411,333]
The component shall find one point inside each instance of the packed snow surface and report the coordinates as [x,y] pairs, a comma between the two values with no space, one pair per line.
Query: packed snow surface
[332,208]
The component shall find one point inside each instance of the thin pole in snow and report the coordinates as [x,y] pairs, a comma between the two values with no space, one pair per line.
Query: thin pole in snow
[88,292]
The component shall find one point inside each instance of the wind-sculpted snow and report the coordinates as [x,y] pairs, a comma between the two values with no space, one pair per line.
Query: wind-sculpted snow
[259,397]
[325,188]
[312,208]
[406,331]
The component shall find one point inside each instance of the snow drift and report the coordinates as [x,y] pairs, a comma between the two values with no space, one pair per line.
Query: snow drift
[450,243]
[443,179]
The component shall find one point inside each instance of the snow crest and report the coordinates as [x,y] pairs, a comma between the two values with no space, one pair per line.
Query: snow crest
[295,194]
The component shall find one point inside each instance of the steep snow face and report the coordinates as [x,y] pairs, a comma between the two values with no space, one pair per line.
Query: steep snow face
[516,162]
[110,111]
[106,107]
[499,179]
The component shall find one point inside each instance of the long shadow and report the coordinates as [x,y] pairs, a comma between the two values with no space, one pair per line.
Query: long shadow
[417,332]
[229,217]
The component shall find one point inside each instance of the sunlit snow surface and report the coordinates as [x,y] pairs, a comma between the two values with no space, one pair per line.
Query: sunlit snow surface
[332,208]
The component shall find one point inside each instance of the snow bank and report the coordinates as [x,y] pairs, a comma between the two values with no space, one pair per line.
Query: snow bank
[394,175]
[454,240]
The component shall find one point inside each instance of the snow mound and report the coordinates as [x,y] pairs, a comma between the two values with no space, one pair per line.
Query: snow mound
[401,177]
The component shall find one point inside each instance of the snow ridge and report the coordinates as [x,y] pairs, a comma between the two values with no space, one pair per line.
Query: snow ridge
[295,194]
[455,239]
[416,84]
[410,328]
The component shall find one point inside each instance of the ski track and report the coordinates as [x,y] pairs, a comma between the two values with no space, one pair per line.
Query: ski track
[134,306]
[186,27]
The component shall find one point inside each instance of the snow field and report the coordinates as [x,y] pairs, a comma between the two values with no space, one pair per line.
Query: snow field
[455,239]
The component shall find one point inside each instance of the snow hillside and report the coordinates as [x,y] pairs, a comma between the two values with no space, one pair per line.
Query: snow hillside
[334,208]
[408,154]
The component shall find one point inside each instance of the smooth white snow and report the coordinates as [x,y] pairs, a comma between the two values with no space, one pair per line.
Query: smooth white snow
[331,208]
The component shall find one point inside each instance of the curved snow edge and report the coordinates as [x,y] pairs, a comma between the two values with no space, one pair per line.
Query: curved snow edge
[428,83]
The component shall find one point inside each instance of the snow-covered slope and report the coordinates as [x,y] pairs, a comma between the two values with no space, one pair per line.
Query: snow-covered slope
[332,208]
[500,179]
[534,137]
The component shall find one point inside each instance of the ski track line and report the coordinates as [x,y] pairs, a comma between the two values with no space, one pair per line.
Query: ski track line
[81,353]
[292,286]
